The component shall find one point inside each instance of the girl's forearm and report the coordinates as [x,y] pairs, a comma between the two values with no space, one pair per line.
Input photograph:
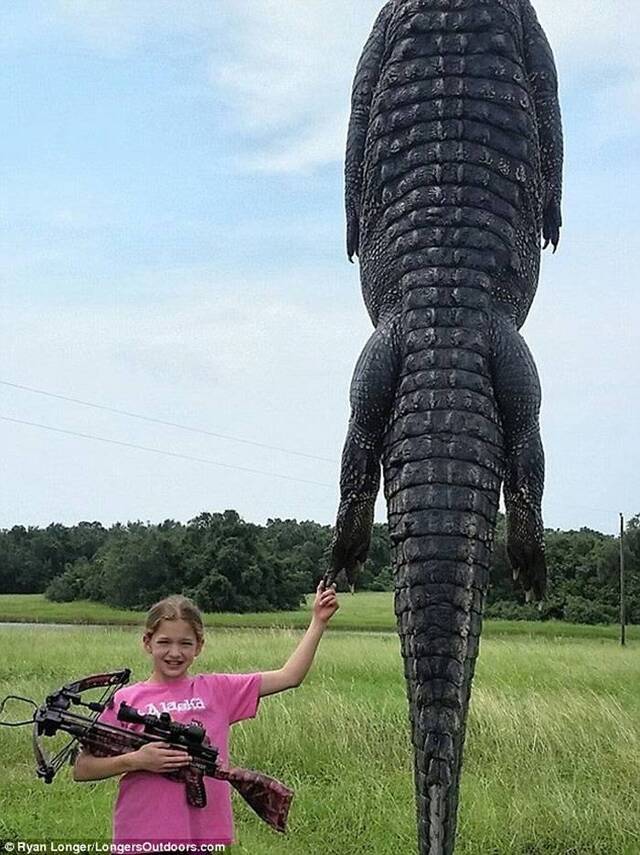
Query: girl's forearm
[90,768]
[298,664]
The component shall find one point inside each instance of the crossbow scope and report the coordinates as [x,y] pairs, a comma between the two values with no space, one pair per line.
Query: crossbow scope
[189,735]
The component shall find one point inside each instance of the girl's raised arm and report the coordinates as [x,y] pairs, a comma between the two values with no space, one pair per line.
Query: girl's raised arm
[297,666]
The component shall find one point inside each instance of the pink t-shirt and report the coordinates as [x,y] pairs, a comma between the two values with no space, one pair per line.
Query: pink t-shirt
[150,806]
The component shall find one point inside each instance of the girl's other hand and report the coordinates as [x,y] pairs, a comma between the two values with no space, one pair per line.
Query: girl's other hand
[159,757]
[326,602]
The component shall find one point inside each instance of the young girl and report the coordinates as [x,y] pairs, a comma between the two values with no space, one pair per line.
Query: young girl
[150,806]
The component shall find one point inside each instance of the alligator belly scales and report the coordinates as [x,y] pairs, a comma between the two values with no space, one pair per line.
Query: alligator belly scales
[453,173]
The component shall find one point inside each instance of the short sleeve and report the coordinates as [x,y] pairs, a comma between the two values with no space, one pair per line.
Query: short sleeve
[241,695]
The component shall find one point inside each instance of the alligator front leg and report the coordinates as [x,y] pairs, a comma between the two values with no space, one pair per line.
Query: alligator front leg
[517,389]
[372,392]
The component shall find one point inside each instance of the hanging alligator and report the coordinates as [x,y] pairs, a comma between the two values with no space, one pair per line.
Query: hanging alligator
[453,173]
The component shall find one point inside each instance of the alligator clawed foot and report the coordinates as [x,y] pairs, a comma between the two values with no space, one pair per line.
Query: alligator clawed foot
[351,540]
[525,548]
[352,575]
[529,565]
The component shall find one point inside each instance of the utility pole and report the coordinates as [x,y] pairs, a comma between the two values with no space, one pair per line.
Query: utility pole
[622,593]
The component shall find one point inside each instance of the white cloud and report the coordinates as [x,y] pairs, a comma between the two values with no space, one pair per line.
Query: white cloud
[284,69]
[616,113]
[117,27]
[320,142]
[266,368]
[288,76]
[590,32]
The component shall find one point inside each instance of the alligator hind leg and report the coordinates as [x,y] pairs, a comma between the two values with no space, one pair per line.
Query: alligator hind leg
[517,390]
[372,392]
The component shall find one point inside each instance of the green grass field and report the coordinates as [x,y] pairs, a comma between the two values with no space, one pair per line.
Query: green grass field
[552,764]
[366,611]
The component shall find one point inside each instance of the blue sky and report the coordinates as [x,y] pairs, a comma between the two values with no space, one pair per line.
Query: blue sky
[172,245]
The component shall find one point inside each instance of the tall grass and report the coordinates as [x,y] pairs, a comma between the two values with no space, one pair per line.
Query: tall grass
[552,762]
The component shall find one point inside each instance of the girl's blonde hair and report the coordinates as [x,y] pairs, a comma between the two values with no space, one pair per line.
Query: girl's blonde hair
[175,607]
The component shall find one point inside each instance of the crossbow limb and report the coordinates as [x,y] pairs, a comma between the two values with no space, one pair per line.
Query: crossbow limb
[47,718]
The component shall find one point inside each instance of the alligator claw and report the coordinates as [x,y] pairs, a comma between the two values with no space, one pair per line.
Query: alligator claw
[529,565]
[551,222]
[350,544]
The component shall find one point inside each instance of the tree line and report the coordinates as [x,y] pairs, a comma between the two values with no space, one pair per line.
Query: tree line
[227,564]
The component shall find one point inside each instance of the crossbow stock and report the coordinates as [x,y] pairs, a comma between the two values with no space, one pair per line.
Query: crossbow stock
[269,798]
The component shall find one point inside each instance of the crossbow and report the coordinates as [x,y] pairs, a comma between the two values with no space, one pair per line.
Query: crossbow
[269,798]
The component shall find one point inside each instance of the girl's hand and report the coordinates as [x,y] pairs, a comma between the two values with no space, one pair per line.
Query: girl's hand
[159,757]
[326,603]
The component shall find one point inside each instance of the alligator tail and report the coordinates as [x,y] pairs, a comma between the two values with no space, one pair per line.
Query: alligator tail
[443,465]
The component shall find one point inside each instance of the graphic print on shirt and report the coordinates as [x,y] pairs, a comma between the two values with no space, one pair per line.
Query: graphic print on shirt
[175,706]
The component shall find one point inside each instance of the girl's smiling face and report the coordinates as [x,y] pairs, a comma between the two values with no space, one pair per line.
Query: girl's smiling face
[173,647]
